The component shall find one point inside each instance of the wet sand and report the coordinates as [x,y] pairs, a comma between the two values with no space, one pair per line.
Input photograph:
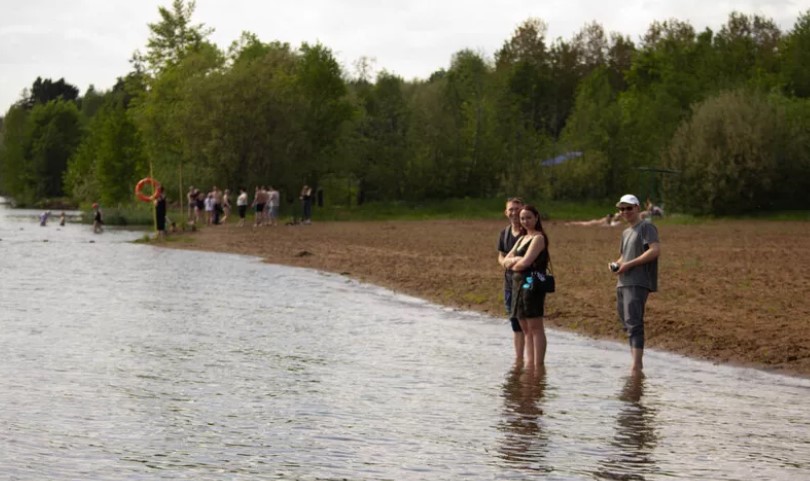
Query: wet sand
[730,291]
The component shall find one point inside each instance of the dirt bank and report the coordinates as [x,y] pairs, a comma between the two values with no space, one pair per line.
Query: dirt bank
[730,291]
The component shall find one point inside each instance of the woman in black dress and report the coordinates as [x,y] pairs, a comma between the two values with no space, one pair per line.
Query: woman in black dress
[529,255]
[160,213]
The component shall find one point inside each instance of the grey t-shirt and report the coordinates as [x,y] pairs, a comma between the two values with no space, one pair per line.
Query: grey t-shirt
[635,241]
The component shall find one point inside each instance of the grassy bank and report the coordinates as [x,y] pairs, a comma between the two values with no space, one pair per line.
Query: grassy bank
[142,214]
[452,209]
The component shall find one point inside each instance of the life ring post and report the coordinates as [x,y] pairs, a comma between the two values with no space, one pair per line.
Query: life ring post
[153,184]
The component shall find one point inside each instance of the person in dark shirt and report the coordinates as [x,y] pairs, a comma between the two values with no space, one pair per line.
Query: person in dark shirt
[160,213]
[506,242]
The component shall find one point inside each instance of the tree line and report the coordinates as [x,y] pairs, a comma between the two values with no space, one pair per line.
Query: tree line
[709,122]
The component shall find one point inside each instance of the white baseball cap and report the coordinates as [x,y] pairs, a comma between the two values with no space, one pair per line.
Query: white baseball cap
[628,199]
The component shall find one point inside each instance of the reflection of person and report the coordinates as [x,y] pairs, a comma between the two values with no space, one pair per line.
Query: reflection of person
[506,242]
[635,435]
[529,255]
[609,220]
[306,201]
[160,212]
[637,271]
[524,437]
[98,222]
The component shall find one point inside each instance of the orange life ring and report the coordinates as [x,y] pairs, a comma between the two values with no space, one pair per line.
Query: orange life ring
[139,188]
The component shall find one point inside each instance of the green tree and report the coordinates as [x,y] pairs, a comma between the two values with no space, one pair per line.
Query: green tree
[795,58]
[593,128]
[54,133]
[43,91]
[90,102]
[106,164]
[172,38]
[13,152]
[383,122]
[747,48]
[729,154]
[319,82]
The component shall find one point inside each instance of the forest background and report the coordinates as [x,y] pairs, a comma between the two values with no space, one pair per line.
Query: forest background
[709,122]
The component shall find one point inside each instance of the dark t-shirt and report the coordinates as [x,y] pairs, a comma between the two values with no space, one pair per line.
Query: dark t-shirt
[635,241]
[506,242]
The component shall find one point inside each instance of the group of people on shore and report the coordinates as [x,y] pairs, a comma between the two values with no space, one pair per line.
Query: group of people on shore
[214,207]
[523,252]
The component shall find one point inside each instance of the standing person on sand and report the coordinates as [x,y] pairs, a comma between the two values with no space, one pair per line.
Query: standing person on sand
[217,205]
[192,202]
[306,201]
[199,206]
[529,255]
[160,212]
[241,205]
[259,201]
[209,208]
[506,242]
[273,201]
[226,205]
[637,271]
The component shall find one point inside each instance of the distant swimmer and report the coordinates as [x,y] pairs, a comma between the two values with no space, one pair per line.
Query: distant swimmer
[97,219]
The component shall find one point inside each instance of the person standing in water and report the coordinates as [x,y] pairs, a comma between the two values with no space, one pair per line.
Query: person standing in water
[506,242]
[98,221]
[637,272]
[529,256]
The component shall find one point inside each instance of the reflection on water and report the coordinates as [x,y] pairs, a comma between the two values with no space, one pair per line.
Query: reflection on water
[635,436]
[525,439]
[125,361]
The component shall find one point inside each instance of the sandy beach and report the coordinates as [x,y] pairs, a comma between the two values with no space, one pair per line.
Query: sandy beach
[729,291]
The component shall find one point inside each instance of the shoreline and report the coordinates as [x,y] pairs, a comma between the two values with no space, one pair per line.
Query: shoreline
[714,304]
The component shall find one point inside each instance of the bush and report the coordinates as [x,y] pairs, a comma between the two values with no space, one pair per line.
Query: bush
[731,154]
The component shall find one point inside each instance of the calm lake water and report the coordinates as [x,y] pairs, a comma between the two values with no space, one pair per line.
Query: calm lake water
[129,362]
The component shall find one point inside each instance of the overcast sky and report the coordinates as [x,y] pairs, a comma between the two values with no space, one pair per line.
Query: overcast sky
[91,41]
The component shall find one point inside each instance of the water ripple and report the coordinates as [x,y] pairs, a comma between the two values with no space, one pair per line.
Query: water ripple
[127,362]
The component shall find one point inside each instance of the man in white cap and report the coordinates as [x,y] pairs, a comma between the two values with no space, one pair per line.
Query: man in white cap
[637,271]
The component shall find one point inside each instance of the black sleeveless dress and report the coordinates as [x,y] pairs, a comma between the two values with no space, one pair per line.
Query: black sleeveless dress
[160,212]
[528,303]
